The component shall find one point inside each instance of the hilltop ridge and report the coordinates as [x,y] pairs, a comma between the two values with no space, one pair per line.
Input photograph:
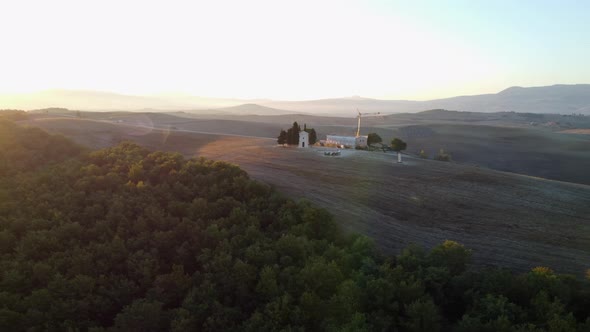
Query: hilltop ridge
[560,98]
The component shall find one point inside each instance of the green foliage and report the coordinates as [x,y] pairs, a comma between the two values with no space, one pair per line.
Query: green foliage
[132,240]
[291,136]
[141,315]
[13,115]
[398,145]
[422,316]
[313,136]
[26,148]
[373,138]
[451,255]
[282,139]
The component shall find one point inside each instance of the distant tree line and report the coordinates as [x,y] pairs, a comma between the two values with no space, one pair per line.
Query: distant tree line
[291,136]
[13,115]
[399,145]
[125,239]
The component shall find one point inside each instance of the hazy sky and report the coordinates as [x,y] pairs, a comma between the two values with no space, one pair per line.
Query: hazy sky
[293,49]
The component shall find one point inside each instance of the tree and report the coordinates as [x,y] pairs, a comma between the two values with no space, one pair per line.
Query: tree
[373,138]
[293,134]
[141,315]
[398,146]
[132,240]
[313,136]
[422,316]
[423,154]
[451,255]
[282,139]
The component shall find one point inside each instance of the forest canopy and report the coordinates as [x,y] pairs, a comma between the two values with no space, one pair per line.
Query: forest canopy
[126,239]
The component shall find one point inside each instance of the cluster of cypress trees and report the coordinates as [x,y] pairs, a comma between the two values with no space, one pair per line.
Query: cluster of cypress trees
[291,136]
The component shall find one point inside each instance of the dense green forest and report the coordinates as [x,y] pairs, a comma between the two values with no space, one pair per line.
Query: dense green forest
[131,240]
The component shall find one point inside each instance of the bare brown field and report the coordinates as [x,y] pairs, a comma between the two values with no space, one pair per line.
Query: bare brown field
[500,141]
[508,220]
[576,131]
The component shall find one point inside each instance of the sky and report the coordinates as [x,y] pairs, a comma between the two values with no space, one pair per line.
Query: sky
[293,50]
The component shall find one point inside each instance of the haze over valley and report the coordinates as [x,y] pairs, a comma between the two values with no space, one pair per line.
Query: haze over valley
[558,99]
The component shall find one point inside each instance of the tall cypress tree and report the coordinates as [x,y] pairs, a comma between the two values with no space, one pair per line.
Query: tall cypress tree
[282,139]
[313,137]
[293,134]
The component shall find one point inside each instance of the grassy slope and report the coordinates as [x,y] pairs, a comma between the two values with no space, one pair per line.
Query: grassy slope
[509,220]
[542,153]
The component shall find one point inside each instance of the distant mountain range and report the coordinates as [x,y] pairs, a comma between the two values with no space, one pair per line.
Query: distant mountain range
[562,99]
[253,109]
[107,101]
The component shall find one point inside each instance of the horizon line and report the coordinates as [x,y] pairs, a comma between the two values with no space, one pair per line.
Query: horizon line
[186,94]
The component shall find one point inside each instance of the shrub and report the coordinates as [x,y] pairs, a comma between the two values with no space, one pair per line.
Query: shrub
[443,156]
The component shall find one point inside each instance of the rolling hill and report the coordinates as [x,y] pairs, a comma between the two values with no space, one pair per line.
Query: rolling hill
[508,219]
[562,99]
[108,101]
[531,144]
[252,109]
